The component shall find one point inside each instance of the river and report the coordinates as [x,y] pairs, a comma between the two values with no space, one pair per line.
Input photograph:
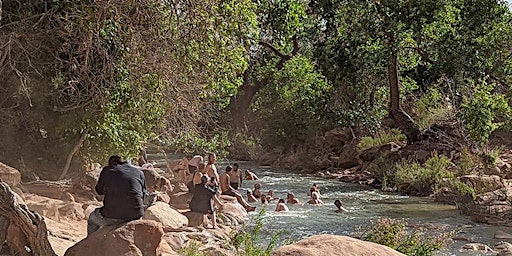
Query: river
[363,203]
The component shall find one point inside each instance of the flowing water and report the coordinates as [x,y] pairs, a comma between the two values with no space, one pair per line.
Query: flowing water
[363,204]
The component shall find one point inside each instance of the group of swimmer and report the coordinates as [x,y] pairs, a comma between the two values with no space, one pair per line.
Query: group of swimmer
[207,185]
[313,193]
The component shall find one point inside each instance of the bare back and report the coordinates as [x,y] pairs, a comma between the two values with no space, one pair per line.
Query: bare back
[224,182]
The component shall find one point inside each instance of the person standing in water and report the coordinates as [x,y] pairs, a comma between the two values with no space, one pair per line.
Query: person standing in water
[236,177]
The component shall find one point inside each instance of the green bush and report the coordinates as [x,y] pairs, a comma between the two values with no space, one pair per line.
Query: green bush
[394,135]
[395,234]
[480,111]
[192,143]
[431,109]
[192,249]
[248,243]
[468,162]
[424,179]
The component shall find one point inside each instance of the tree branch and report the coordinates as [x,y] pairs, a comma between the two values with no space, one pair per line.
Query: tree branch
[72,153]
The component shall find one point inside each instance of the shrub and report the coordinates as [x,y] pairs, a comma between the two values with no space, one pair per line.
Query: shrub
[395,234]
[193,143]
[192,249]
[394,135]
[248,243]
[468,162]
[424,179]
[480,111]
[431,109]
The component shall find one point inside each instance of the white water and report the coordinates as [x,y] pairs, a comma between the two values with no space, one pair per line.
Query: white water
[363,203]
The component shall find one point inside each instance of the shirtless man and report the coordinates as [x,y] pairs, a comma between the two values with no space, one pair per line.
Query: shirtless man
[211,169]
[291,199]
[250,197]
[236,177]
[281,206]
[257,191]
[227,189]
[315,199]
[193,163]
[250,175]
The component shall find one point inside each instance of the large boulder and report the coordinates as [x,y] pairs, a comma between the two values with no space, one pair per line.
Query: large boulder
[135,238]
[196,219]
[349,156]
[483,183]
[180,200]
[9,175]
[234,211]
[163,213]
[333,245]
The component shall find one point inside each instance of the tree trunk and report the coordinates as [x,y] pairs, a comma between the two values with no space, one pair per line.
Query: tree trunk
[239,104]
[402,120]
[30,223]
[72,153]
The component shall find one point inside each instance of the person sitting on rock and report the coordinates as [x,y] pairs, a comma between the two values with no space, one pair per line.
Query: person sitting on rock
[339,205]
[124,187]
[226,189]
[203,198]
[250,175]
[195,178]
[257,191]
[281,206]
[290,199]
[315,199]
[250,197]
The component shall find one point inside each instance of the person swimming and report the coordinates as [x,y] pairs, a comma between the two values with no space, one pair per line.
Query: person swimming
[281,206]
[257,191]
[339,205]
[250,197]
[315,199]
[290,197]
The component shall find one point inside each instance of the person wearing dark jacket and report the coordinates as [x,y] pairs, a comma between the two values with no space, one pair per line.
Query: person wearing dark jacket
[203,198]
[124,187]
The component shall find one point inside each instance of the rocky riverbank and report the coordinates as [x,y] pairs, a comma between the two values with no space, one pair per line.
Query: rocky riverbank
[487,190]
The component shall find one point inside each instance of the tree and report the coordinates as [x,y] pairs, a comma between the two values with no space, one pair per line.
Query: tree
[102,77]
[408,41]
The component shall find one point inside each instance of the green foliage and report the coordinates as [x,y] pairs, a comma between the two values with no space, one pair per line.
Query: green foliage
[464,189]
[194,144]
[244,146]
[468,162]
[395,234]
[424,179]
[192,249]
[480,111]
[382,137]
[247,241]
[431,109]
[293,103]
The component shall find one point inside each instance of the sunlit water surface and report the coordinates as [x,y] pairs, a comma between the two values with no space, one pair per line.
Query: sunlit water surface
[362,202]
